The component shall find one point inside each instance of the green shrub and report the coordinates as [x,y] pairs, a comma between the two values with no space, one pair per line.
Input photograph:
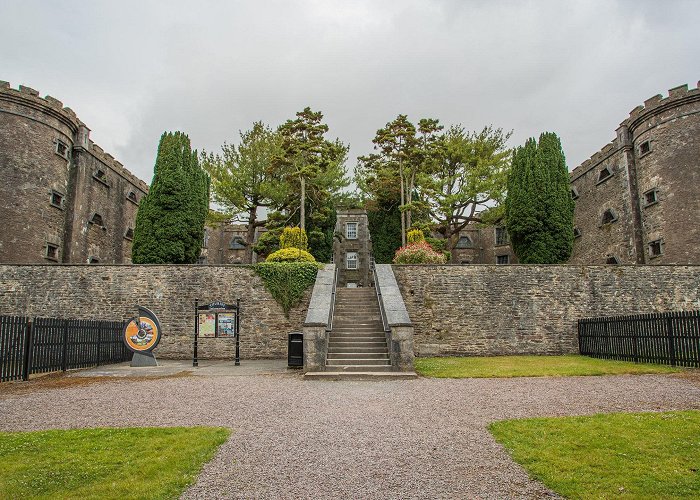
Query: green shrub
[415,236]
[290,255]
[287,281]
[294,237]
[419,253]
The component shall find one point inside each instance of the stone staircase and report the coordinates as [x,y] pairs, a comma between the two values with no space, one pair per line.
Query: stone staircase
[357,347]
[357,341]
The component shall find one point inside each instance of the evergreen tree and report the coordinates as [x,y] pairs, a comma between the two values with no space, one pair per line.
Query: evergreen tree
[170,220]
[539,210]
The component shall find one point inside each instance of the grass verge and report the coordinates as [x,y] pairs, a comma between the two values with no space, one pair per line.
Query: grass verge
[531,366]
[105,463]
[638,455]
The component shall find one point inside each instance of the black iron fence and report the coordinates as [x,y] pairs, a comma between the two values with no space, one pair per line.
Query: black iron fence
[43,345]
[667,338]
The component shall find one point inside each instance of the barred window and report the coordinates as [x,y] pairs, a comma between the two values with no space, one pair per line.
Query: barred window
[502,236]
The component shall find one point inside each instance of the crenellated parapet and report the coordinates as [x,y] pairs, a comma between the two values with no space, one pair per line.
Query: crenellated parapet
[677,96]
[29,97]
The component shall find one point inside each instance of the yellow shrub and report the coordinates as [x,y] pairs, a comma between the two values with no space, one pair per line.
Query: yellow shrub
[415,236]
[290,255]
[294,237]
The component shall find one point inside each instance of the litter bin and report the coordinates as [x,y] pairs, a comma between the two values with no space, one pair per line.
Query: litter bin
[295,349]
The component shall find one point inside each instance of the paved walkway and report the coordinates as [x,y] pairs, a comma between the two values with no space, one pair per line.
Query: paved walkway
[423,438]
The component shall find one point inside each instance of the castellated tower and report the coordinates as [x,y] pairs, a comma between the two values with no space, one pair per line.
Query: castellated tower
[637,199]
[62,199]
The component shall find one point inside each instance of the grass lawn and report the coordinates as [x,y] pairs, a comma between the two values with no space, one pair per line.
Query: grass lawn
[531,366]
[638,455]
[105,463]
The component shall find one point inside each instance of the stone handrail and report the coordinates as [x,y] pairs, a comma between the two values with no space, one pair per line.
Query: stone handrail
[399,328]
[318,320]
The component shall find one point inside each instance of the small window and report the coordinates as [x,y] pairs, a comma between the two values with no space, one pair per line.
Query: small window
[131,196]
[502,259]
[609,216]
[574,193]
[237,243]
[604,175]
[97,220]
[465,242]
[655,248]
[612,260]
[61,148]
[57,199]
[577,232]
[351,230]
[100,175]
[351,260]
[465,262]
[51,252]
[501,236]
[129,234]
[651,197]
[202,259]
[645,148]
[93,260]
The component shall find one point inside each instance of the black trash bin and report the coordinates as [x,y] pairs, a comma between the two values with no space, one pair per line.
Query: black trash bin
[295,349]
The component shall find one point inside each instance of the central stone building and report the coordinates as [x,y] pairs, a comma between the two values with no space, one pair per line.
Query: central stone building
[352,248]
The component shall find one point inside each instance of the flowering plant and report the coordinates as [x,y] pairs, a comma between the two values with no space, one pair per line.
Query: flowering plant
[419,253]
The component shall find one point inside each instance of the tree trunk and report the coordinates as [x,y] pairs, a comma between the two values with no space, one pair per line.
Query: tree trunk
[403,202]
[250,234]
[302,208]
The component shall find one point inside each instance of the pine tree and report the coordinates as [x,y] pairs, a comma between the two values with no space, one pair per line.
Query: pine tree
[539,210]
[170,220]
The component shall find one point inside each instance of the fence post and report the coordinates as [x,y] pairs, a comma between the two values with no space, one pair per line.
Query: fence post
[671,344]
[99,340]
[64,358]
[635,349]
[26,369]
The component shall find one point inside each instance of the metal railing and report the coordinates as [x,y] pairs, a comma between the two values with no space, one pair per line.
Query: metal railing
[379,299]
[331,311]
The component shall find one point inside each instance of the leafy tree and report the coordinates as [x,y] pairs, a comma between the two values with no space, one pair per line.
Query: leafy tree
[539,210]
[313,165]
[244,179]
[467,176]
[170,220]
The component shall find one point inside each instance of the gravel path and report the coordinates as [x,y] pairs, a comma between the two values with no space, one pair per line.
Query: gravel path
[422,438]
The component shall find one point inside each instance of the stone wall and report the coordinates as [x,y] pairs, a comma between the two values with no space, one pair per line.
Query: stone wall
[112,292]
[501,310]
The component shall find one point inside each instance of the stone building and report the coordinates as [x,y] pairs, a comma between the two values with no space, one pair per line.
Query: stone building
[63,199]
[352,248]
[225,244]
[636,199]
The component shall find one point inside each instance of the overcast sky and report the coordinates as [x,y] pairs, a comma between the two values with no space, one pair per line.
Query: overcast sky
[133,69]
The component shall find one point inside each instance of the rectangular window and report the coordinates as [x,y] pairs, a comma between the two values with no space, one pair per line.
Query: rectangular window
[57,199]
[52,252]
[351,260]
[501,236]
[129,234]
[351,230]
[655,248]
[502,259]
[651,197]
[61,148]
[644,148]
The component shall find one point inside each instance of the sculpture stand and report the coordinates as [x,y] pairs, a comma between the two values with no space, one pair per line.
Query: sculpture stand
[142,359]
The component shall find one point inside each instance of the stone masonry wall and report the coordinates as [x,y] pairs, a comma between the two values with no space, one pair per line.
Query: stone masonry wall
[502,310]
[112,292]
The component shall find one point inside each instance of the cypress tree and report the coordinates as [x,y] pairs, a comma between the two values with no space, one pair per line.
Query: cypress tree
[170,220]
[539,210]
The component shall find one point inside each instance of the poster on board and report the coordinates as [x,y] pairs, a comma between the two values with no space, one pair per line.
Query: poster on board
[227,324]
[207,325]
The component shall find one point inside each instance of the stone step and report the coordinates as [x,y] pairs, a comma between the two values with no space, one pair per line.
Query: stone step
[358,355]
[358,361]
[357,338]
[344,328]
[360,375]
[356,348]
[360,343]
[357,368]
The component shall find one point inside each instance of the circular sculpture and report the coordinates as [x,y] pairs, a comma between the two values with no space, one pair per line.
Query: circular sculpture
[142,334]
